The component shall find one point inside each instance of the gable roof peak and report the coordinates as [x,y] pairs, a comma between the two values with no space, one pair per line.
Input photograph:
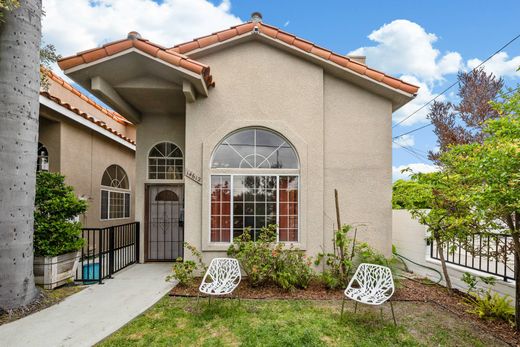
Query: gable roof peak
[353,64]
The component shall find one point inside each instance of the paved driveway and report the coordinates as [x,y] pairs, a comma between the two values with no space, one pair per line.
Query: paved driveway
[87,317]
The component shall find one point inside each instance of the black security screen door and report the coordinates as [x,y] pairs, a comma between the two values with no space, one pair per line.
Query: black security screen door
[165,222]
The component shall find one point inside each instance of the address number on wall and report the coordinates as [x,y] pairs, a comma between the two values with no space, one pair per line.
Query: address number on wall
[193,176]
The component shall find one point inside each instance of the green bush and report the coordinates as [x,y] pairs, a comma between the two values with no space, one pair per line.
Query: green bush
[346,255]
[56,206]
[483,303]
[184,270]
[292,269]
[266,261]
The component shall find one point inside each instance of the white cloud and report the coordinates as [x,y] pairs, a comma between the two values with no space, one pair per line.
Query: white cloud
[424,95]
[415,167]
[403,141]
[286,24]
[404,47]
[499,65]
[83,24]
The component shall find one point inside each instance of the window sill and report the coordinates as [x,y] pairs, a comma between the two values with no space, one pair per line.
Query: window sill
[222,247]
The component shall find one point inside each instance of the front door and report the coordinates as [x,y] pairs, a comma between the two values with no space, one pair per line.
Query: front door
[165,222]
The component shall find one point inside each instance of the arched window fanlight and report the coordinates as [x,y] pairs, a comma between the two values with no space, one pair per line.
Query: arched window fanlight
[167,195]
[115,177]
[42,163]
[165,162]
[255,148]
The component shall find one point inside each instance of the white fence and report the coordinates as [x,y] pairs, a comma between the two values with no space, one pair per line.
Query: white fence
[409,238]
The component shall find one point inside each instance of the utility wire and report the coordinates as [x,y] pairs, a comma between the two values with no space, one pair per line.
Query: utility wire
[412,152]
[456,82]
[430,124]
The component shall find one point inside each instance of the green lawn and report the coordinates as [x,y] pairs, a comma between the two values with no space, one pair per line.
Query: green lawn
[178,322]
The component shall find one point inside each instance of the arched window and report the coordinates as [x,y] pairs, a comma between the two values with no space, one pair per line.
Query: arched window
[255,149]
[42,163]
[115,193]
[254,183]
[165,162]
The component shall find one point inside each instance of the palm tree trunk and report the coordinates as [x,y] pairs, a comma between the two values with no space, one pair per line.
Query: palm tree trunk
[20,37]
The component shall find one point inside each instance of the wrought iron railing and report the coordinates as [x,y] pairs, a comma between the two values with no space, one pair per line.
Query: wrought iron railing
[489,253]
[107,251]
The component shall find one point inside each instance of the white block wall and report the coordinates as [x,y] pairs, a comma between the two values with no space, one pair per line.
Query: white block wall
[408,236]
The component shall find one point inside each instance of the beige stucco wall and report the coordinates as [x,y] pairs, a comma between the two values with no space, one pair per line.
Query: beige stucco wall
[358,162]
[83,157]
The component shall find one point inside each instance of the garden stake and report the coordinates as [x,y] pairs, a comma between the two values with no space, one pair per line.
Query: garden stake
[342,308]
[393,315]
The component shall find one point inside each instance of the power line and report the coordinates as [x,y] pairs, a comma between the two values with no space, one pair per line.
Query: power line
[412,152]
[430,124]
[412,131]
[456,82]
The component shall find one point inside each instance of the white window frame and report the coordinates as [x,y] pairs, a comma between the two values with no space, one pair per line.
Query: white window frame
[161,180]
[111,190]
[264,172]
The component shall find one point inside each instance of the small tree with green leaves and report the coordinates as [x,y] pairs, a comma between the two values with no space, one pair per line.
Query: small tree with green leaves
[447,217]
[56,206]
[490,173]
[346,255]
[407,194]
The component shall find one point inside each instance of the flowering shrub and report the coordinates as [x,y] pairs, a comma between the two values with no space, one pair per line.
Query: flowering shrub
[267,261]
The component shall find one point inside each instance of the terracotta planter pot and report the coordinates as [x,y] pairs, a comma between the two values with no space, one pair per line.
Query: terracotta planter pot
[52,272]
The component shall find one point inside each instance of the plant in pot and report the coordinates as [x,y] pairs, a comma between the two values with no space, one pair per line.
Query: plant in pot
[57,234]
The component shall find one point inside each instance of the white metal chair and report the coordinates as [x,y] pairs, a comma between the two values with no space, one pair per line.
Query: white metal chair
[371,285]
[221,278]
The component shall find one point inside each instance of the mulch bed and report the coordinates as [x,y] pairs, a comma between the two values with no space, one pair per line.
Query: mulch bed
[44,299]
[407,290]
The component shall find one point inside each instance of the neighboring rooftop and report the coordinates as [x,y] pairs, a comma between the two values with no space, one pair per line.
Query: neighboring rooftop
[79,103]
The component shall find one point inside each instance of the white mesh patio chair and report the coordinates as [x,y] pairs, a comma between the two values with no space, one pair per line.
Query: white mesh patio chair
[371,285]
[221,278]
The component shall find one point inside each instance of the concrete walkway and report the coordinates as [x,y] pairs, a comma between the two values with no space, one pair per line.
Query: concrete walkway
[87,317]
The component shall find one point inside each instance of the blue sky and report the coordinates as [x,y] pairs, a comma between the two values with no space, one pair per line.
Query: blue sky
[424,42]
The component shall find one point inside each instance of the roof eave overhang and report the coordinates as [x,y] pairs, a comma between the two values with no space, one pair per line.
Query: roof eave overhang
[100,87]
[398,97]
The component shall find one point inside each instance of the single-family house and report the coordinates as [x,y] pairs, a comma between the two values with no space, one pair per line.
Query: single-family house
[247,127]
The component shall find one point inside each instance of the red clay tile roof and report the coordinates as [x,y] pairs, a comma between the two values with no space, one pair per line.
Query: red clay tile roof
[299,43]
[112,114]
[143,45]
